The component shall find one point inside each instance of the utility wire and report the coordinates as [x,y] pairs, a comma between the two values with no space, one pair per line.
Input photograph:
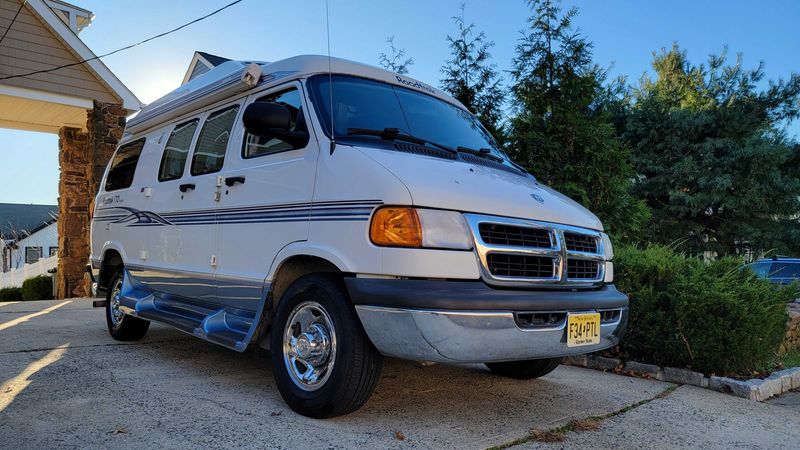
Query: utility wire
[21,5]
[53,69]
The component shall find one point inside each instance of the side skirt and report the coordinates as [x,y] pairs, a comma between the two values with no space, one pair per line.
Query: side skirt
[227,326]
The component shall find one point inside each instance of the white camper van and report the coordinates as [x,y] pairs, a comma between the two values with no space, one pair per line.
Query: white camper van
[333,213]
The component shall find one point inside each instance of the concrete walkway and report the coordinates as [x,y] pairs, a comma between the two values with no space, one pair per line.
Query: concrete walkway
[65,383]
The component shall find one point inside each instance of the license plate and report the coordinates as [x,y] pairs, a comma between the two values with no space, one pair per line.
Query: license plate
[583,329]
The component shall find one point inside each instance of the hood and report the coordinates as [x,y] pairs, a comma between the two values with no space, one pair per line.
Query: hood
[465,187]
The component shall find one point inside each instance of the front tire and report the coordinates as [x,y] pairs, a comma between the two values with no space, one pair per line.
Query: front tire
[525,370]
[324,364]
[121,326]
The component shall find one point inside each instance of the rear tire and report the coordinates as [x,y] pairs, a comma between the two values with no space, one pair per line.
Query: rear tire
[525,370]
[323,362]
[122,327]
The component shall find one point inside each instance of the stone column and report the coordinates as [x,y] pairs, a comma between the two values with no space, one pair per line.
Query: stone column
[106,124]
[73,212]
[83,158]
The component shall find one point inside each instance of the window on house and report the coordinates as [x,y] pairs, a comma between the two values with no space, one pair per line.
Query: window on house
[32,254]
[209,152]
[123,166]
[53,251]
[259,146]
[177,149]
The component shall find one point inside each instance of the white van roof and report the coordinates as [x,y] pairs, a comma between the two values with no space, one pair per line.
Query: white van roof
[234,77]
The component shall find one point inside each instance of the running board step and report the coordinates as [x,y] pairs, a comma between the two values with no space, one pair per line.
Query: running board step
[229,327]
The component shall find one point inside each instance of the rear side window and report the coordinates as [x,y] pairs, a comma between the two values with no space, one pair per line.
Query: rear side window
[177,149]
[123,166]
[209,153]
[255,146]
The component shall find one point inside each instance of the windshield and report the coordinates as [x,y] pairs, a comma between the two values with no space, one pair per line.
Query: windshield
[367,104]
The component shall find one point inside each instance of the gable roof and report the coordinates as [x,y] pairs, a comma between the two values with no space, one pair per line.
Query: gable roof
[201,63]
[19,220]
[68,37]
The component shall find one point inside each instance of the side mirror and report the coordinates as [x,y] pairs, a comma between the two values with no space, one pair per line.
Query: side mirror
[273,120]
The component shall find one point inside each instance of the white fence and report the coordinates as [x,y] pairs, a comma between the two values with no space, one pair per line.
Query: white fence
[15,277]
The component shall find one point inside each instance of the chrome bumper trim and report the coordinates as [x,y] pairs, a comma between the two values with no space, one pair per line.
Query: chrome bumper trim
[471,336]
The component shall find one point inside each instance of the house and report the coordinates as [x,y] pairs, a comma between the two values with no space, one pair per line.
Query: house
[52,82]
[28,233]
[201,63]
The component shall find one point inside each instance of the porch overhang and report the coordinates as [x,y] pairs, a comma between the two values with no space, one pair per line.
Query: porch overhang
[34,110]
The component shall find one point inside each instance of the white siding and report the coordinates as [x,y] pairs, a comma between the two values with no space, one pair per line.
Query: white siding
[45,238]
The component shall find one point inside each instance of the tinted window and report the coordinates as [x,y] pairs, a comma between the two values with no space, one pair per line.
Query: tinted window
[209,153]
[123,166]
[361,103]
[785,270]
[177,149]
[259,146]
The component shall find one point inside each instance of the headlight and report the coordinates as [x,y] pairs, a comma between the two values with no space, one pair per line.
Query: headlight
[608,250]
[412,227]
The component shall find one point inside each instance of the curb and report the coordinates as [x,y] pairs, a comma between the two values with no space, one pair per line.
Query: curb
[757,389]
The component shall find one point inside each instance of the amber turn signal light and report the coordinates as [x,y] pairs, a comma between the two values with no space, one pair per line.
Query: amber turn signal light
[396,227]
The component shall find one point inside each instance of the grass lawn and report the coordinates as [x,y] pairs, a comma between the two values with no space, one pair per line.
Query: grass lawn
[791,359]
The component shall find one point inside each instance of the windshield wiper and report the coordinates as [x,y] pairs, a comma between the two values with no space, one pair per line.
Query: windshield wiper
[482,152]
[394,134]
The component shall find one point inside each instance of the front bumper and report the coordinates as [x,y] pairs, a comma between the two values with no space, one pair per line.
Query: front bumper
[470,322]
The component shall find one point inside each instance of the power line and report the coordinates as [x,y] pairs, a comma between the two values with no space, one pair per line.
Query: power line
[21,5]
[53,69]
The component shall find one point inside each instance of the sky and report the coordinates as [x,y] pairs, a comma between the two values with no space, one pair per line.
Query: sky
[625,34]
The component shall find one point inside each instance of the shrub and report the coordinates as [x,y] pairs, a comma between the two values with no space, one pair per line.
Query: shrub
[10,294]
[709,317]
[38,288]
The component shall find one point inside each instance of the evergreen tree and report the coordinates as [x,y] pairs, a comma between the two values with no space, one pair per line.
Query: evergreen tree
[395,60]
[711,159]
[471,78]
[562,129]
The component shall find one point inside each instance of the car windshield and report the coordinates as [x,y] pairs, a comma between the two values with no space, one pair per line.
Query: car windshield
[362,104]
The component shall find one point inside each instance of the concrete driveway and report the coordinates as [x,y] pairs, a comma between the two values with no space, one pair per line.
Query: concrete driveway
[67,384]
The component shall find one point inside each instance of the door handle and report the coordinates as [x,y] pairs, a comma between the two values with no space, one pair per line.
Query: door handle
[230,181]
[186,187]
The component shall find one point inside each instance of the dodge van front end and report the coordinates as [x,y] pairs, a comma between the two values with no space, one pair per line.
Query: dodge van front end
[545,292]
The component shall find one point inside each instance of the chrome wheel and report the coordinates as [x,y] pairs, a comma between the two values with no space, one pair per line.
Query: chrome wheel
[116,314]
[309,345]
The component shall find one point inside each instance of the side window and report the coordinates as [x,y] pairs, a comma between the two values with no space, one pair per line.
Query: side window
[785,270]
[209,153]
[177,149]
[123,166]
[255,146]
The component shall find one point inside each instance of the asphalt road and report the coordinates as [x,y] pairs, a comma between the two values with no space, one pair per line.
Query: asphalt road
[66,384]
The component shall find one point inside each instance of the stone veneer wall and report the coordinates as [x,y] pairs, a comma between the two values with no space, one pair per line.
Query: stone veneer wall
[82,158]
[792,340]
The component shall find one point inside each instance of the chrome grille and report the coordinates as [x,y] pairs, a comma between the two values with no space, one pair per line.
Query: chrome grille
[580,242]
[499,234]
[520,266]
[582,269]
[516,252]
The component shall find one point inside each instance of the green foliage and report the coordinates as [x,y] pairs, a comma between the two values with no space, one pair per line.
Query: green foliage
[472,79]
[38,288]
[10,294]
[562,130]
[712,317]
[395,60]
[710,158]
[791,359]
